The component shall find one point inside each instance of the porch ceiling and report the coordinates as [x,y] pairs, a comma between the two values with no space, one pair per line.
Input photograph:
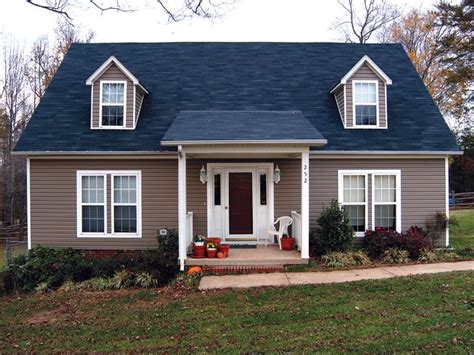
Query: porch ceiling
[242,127]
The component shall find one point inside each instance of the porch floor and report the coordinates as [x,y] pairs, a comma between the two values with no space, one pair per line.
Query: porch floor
[270,255]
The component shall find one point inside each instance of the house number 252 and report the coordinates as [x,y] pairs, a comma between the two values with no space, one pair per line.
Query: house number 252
[305,174]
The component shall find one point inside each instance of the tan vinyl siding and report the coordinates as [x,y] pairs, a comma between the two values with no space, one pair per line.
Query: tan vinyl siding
[140,94]
[422,184]
[339,95]
[53,194]
[112,73]
[53,201]
[365,73]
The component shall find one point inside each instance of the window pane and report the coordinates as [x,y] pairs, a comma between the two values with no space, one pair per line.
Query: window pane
[366,115]
[113,93]
[385,188]
[385,216]
[112,115]
[356,217]
[263,189]
[353,189]
[92,189]
[217,189]
[365,93]
[92,219]
[125,219]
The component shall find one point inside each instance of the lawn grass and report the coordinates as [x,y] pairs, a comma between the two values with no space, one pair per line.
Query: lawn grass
[429,313]
[462,235]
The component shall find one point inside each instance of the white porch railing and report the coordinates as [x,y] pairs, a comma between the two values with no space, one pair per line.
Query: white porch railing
[296,227]
[189,229]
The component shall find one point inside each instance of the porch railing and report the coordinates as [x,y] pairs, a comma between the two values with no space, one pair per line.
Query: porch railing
[296,228]
[189,229]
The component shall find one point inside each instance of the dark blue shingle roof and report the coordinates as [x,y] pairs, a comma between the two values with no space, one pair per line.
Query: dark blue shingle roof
[242,126]
[235,77]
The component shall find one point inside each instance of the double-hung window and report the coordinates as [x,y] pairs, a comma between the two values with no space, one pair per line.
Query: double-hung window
[365,103]
[92,203]
[386,201]
[125,203]
[123,219]
[353,197]
[112,103]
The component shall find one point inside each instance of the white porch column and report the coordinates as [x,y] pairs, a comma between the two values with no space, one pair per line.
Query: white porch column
[446,179]
[182,206]
[305,204]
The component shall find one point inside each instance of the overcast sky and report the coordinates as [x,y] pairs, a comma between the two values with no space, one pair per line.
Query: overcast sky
[246,20]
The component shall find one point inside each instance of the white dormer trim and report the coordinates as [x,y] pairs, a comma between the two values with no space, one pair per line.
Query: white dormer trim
[375,67]
[90,80]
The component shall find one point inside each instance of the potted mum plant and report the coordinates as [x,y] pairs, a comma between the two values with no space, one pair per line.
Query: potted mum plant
[211,250]
[287,243]
[199,249]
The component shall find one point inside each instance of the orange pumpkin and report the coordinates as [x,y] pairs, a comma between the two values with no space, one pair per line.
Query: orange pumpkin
[194,270]
[220,255]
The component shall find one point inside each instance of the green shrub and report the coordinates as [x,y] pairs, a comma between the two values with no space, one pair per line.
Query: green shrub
[339,259]
[444,255]
[145,280]
[45,267]
[427,256]
[395,256]
[333,233]
[360,258]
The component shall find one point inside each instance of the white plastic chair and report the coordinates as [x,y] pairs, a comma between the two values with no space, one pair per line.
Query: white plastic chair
[283,224]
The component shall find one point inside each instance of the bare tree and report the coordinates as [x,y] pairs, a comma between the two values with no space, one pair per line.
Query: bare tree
[364,18]
[17,110]
[46,58]
[176,10]
[423,37]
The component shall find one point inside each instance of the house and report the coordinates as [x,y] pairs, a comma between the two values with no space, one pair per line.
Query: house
[223,138]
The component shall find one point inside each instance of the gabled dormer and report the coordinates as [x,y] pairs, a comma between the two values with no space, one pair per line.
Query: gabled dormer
[361,96]
[116,96]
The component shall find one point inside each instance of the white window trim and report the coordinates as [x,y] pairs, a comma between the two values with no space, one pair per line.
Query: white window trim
[79,176]
[124,125]
[341,175]
[106,173]
[138,175]
[398,197]
[377,114]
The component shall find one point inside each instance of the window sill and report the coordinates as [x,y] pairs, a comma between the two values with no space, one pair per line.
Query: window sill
[110,236]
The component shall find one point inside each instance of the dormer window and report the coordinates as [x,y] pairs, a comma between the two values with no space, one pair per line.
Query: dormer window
[116,96]
[361,96]
[112,106]
[365,103]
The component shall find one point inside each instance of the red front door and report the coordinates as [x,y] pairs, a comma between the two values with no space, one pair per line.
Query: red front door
[240,203]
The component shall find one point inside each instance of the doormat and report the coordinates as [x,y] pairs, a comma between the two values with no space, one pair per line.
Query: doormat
[243,246]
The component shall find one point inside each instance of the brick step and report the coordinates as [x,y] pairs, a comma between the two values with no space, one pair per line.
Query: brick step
[241,269]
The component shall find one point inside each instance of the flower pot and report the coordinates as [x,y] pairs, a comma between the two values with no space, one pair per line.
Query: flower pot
[211,253]
[199,251]
[215,240]
[199,244]
[288,243]
[225,249]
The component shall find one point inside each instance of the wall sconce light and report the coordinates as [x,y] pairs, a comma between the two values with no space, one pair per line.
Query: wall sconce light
[203,175]
[276,175]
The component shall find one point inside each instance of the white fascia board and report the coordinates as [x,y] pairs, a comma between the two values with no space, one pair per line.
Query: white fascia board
[232,142]
[382,152]
[90,80]
[367,59]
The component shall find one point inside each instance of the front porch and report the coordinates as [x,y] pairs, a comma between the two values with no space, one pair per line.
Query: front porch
[229,165]
[261,255]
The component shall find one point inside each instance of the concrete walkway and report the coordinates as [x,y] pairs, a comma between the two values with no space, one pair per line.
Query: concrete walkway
[324,277]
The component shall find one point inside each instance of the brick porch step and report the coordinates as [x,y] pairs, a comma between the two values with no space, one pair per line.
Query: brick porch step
[242,269]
